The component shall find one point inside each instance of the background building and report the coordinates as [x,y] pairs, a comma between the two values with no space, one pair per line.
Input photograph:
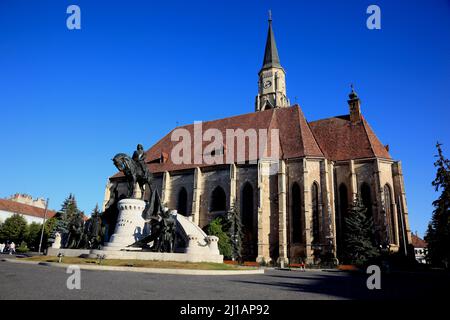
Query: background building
[32,210]
[420,248]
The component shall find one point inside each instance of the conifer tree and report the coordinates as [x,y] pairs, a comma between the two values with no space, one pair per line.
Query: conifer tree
[69,210]
[359,242]
[235,232]
[438,233]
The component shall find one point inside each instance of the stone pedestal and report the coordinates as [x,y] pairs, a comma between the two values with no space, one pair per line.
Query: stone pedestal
[130,225]
[57,243]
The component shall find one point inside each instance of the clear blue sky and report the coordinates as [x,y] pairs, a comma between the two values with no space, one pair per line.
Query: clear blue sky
[70,100]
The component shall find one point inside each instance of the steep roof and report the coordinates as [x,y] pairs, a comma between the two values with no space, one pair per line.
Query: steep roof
[25,209]
[271,58]
[296,138]
[340,139]
[335,138]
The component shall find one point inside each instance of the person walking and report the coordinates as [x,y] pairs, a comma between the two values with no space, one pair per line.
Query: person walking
[2,247]
[12,248]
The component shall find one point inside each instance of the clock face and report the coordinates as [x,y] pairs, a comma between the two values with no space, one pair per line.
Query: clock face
[267,84]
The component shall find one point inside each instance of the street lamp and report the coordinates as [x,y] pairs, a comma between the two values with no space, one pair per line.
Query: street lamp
[43,225]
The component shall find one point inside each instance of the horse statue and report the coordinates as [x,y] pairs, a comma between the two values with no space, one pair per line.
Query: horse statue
[135,172]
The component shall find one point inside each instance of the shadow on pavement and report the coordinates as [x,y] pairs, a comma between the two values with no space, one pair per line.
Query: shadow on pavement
[353,286]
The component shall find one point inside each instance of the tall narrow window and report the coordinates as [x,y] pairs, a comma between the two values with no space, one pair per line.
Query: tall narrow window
[296,214]
[249,227]
[218,200]
[315,212]
[367,198]
[390,219]
[182,202]
[342,214]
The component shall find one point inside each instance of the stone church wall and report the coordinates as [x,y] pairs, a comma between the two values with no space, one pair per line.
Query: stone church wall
[177,182]
[211,180]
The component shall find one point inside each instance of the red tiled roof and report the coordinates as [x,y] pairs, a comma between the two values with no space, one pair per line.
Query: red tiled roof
[334,138]
[25,209]
[296,138]
[418,242]
[340,139]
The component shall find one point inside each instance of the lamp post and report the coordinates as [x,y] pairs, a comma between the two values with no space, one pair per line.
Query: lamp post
[43,225]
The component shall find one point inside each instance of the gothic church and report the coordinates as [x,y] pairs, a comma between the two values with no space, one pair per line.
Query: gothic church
[297,213]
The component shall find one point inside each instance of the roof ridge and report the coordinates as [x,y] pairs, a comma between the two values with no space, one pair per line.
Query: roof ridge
[317,142]
[329,118]
[300,128]
[363,120]
[300,112]
[272,119]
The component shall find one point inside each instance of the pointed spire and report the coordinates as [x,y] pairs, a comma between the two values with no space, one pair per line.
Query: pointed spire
[271,58]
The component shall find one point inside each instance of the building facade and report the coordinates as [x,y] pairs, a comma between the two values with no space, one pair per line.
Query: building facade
[297,211]
[33,210]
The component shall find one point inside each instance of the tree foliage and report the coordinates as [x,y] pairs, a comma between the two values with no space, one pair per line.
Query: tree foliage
[69,212]
[33,235]
[14,229]
[438,233]
[215,228]
[235,233]
[359,241]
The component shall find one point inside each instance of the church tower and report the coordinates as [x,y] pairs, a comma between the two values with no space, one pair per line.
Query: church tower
[272,77]
[354,105]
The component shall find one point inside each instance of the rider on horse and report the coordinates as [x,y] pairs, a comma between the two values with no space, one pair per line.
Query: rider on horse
[139,157]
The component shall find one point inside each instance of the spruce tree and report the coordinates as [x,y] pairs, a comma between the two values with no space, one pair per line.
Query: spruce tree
[69,210]
[438,233]
[359,243]
[235,232]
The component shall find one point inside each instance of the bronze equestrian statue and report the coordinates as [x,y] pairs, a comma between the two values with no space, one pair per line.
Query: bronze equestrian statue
[135,170]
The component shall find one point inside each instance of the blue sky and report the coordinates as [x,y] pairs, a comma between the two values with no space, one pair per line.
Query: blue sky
[70,100]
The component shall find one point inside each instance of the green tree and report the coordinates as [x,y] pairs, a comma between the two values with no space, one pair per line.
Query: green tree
[215,228]
[235,233]
[14,229]
[359,244]
[69,210]
[33,235]
[438,233]
[50,225]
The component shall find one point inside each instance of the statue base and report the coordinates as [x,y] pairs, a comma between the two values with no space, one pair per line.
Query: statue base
[129,227]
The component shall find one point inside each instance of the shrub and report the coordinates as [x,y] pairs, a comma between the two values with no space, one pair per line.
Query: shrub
[215,228]
[22,248]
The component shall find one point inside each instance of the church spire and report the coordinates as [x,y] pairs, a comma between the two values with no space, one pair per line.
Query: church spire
[354,105]
[272,78]
[271,58]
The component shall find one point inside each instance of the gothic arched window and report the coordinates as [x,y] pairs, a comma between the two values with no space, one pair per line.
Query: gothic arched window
[342,209]
[296,210]
[315,212]
[182,202]
[218,200]
[366,196]
[389,209]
